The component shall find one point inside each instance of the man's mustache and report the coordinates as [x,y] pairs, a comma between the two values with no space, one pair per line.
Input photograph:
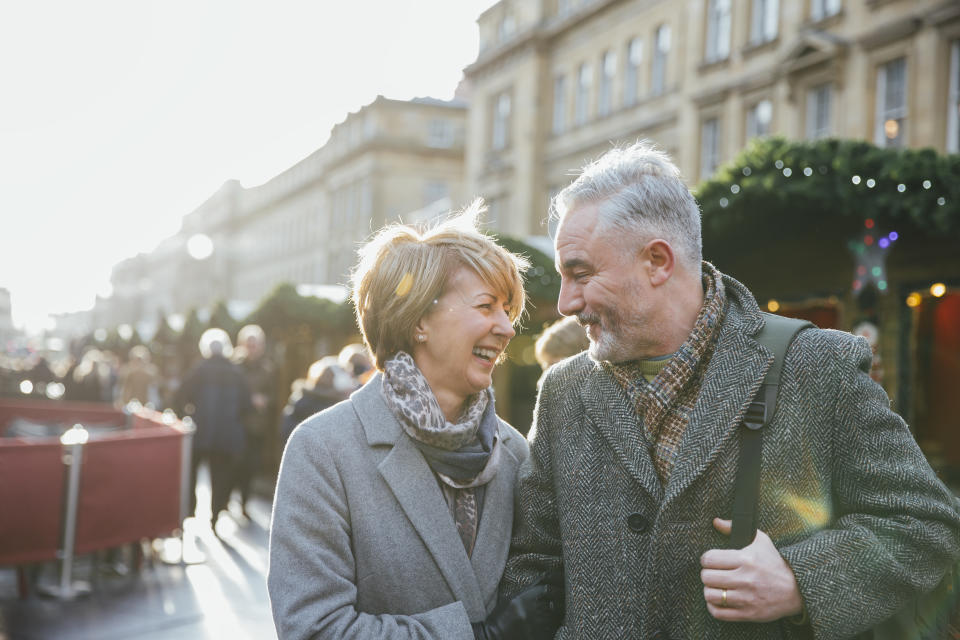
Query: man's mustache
[583,320]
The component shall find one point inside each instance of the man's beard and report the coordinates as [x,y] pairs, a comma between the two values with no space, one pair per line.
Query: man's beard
[609,347]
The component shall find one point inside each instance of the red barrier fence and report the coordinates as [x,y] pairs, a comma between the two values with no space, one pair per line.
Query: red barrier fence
[131,483]
[66,413]
[31,501]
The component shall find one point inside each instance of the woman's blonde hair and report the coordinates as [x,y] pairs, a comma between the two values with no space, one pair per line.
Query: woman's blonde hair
[402,271]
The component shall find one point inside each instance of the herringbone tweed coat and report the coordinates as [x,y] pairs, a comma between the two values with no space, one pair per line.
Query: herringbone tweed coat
[846,495]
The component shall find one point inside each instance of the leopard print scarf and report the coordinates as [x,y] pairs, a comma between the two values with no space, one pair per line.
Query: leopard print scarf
[463,454]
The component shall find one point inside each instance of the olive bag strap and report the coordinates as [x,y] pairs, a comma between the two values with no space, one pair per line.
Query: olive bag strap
[776,335]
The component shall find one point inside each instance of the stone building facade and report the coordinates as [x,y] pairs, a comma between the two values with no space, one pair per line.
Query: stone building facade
[556,81]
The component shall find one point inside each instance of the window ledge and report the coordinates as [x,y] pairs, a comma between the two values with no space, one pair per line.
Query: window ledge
[712,65]
[826,21]
[752,48]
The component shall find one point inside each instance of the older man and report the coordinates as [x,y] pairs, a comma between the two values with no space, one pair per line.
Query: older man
[634,448]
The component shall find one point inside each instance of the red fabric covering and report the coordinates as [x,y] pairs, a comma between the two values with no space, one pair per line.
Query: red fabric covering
[61,412]
[943,377]
[129,488]
[32,481]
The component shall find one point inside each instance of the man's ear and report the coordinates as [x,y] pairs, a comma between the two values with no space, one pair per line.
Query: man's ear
[658,260]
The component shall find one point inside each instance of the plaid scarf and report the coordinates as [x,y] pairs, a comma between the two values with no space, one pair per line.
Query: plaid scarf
[663,406]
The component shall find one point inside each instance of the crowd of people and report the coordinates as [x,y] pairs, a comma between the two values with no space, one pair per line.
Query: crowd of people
[228,391]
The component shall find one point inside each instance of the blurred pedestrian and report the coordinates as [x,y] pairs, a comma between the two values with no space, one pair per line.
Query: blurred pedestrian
[89,380]
[139,378]
[562,339]
[393,510]
[215,393]
[259,372]
[319,390]
[355,360]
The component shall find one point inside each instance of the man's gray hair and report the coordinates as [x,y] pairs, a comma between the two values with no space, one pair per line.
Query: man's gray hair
[639,192]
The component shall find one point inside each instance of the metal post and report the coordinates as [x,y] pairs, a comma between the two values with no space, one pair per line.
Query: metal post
[189,554]
[186,460]
[74,439]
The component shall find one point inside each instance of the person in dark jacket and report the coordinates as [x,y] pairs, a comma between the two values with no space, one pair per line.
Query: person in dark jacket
[259,371]
[320,390]
[215,393]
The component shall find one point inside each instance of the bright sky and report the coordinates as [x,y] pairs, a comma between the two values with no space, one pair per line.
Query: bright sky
[118,118]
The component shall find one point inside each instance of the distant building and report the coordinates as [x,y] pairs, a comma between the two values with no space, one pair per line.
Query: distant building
[303,226]
[555,81]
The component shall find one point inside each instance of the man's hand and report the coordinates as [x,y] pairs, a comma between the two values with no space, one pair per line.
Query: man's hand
[760,585]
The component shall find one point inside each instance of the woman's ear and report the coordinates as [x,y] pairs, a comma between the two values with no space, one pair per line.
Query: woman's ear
[420,332]
[658,258]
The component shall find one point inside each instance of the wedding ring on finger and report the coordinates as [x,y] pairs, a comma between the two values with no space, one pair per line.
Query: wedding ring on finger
[723,597]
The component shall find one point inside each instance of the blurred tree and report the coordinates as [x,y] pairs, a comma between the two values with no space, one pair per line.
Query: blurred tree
[220,318]
[189,339]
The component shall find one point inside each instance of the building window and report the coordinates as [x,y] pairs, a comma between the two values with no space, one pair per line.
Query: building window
[559,104]
[820,9]
[366,198]
[608,70]
[891,104]
[759,117]
[661,49]
[501,120]
[440,133]
[584,80]
[709,147]
[819,103]
[506,27]
[631,84]
[718,30]
[953,107]
[764,20]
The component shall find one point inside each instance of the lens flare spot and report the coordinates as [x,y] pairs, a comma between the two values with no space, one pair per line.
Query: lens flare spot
[813,513]
[404,286]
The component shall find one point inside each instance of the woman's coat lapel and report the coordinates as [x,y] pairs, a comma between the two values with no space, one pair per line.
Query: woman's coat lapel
[413,484]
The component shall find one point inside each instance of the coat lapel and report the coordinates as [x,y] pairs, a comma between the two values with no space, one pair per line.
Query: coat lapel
[609,410]
[414,486]
[732,378]
[496,522]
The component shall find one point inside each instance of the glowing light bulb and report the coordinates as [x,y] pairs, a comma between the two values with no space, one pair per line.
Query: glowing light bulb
[937,290]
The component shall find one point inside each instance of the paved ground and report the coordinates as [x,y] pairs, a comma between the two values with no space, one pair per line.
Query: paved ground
[222,596]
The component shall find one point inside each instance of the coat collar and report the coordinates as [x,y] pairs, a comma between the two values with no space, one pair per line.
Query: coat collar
[734,374]
[610,411]
[414,486]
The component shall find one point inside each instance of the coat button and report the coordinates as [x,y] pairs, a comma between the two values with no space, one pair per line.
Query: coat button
[637,522]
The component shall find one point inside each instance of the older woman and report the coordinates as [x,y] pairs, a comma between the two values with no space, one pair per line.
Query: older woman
[393,510]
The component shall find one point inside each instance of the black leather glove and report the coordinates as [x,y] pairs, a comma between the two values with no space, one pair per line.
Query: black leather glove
[533,614]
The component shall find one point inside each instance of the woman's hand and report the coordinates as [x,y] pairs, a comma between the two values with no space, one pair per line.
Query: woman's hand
[535,613]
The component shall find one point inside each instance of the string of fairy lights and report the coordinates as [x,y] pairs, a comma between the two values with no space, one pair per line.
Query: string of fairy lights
[870,247]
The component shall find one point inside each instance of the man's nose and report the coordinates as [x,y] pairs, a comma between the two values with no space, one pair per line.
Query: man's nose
[570,301]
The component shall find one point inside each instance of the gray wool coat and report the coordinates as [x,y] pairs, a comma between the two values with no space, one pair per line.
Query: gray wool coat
[362,543]
[846,495]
